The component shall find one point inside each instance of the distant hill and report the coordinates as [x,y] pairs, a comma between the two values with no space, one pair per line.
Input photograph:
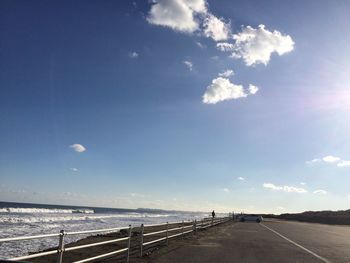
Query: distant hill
[325,217]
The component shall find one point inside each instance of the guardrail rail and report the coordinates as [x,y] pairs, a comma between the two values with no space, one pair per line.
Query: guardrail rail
[167,231]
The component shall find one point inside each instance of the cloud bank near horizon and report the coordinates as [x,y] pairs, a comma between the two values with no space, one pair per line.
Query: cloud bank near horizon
[285,188]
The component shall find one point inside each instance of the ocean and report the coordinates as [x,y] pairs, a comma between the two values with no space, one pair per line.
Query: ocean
[23,219]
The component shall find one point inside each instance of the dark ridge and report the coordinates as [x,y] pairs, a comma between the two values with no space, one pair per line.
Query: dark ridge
[341,217]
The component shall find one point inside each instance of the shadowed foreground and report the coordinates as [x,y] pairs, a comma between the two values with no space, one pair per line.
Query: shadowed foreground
[249,242]
[252,242]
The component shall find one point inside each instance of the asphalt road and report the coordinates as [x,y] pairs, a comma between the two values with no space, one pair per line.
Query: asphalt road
[270,241]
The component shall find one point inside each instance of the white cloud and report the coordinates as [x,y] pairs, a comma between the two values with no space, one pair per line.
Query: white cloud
[188,64]
[241,178]
[343,163]
[280,208]
[216,28]
[320,192]
[224,46]
[253,89]
[255,45]
[189,16]
[199,6]
[331,159]
[178,15]
[223,89]
[73,169]
[227,73]
[285,188]
[226,190]
[133,54]
[137,195]
[78,147]
[200,45]
[313,161]
[302,183]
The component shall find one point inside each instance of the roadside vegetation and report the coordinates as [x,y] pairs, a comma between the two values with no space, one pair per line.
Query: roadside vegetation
[341,217]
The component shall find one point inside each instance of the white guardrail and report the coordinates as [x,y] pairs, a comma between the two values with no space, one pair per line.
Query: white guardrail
[178,228]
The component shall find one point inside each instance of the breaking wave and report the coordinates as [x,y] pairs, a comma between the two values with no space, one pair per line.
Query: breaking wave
[64,218]
[45,210]
[23,221]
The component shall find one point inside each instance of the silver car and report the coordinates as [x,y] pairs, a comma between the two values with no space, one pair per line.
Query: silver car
[255,218]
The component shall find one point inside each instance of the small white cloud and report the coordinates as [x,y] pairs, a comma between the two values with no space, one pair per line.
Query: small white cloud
[227,73]
[77,147]
[224,46]
[73,169]
[241,178]
[222,89]
[255,45]
[137,195]
[226,190]
[200,45]
[253,89]
[302,183]
[331,159]
[188,64]
[280,208]
[216,28]
[178,15]
[285,188]
[313,161]
[320,192]
[343,163]
[133,54]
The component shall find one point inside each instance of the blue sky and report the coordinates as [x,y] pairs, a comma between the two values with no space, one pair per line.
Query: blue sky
[189,104]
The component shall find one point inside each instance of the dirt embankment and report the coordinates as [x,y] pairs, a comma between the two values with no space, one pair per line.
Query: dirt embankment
[323,217]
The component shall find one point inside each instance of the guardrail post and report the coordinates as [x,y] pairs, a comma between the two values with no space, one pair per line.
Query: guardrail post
[141,242]
[129,243]
[60,247]
[182,230]
[212,221]
[195,226]
[167,233]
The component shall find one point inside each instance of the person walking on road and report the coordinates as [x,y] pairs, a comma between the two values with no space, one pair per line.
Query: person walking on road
[213,214]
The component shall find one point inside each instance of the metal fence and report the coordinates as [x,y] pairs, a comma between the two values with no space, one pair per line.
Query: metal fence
[180,229]
[168,231]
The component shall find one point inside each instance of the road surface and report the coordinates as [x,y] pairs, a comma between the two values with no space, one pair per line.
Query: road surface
[270,241]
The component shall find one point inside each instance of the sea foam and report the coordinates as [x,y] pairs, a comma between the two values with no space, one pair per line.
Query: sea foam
[21,221]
